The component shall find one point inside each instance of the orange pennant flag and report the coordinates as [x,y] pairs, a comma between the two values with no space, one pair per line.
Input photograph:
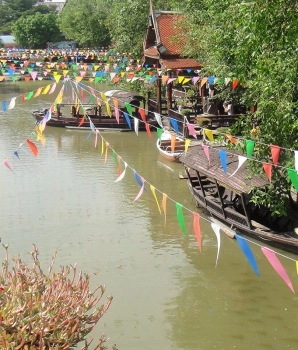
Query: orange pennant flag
[234,84]
[173,142]
[32,147]
[268,170]
[81,121]
[106,155]
[197,229]
[231,138]
[115,101]
[275,150]
[143,115]
[27,78]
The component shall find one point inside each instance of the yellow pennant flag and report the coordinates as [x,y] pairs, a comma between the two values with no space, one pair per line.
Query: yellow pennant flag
[59,98]
[57,66]
[57,77]
[65,72]
[186,80]
[2,78]
[78,78]
[38,92]
[54,73]
[95,67]
[46,90]
[42,139]
[102,146]
[187,142]
[152,188]
[98,101]
[106,155]
[108,109]
[122,74]
[104,97]
[297,267]
[164,205]
[209,134]
[180,79]
[91,79]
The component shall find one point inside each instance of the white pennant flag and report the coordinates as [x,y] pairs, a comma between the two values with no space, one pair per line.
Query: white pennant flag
[296,160]
[12,103]
[112,75]
[241,161]
[136,125]
[158,119]
[216,230]
[121,176]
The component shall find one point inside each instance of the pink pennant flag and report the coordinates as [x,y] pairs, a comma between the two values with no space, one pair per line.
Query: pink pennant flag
[276,264]
[206,151]
[268,170]
[191,130]
[275,150]
[197,229]
[170,80]
[195,80]
[52,88]
[141,190]
[33,75]
[117,114]
[5,162]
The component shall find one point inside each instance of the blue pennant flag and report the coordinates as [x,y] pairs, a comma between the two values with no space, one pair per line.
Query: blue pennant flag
[248,253]
[127,119]
[174,124]
[89,135]
[138,179]
[16,154]
[4,106]
[223,159]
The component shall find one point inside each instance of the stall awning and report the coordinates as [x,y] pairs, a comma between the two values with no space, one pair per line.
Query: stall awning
[180,63]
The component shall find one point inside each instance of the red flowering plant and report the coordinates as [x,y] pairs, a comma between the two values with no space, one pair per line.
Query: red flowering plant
[56,310]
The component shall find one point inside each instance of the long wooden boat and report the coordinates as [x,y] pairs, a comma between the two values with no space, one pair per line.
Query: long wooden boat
[227,198]
[70,114]
[168,148]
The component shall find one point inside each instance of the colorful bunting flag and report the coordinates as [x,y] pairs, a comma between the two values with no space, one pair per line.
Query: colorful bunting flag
[197,229]
[180,217]
[216,230]
[248,253]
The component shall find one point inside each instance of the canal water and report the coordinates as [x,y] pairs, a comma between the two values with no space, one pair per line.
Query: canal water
[167,294]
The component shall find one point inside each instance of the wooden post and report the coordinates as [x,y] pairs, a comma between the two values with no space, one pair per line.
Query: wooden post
[158,96]
[169,96]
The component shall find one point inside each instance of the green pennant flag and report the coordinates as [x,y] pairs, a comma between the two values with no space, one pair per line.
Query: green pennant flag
[294,177]
[159,132]
[74,74]
[92,99]
[148,77]
[97,79]
[128,107]
[141,74]
[180,217]
[15,61]
[3,70]
[115,157]
[29,95]
[74,66]
[250,145]
[14,78]
[30,69]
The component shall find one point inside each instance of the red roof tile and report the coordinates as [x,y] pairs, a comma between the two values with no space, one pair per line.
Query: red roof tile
[180,63]
[170,33]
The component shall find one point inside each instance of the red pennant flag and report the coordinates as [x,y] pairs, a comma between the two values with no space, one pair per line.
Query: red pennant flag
[148,130]
[5,162]
[27,78]
[119,168]
[32,147]
[197,229]
[82,93]
[234,84]
[143,115]
[23,98]
[81,121]
[275,150]
[268,170]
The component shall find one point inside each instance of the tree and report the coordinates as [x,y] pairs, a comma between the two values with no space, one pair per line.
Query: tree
[85,21]
[128,22]
[11,11]
[35,31]
[255,43]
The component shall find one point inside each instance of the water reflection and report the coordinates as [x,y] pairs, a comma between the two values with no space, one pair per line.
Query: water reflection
[167,295]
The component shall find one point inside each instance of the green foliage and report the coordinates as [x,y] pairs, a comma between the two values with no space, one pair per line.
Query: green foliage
[11,11]
[85,21]
[56,310]
[35,31]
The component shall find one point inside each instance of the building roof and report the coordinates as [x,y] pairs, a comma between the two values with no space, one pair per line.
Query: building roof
[165,41]
[7,39]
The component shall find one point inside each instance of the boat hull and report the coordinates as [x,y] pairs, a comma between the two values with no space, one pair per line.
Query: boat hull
[164,147]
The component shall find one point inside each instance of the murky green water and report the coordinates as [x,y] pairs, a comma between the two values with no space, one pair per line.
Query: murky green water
[167,295]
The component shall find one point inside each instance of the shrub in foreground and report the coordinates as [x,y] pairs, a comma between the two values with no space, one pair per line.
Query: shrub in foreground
[56,310]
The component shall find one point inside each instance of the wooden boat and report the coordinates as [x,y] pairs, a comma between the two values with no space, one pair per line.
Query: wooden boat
[169,149]
[227,198]
[70,114]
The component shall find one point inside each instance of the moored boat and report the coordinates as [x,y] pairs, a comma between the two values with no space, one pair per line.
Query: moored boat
[170,146]
[227,198]
[71,114]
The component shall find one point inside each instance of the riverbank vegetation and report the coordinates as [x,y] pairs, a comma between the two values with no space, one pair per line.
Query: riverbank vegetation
[53,310]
